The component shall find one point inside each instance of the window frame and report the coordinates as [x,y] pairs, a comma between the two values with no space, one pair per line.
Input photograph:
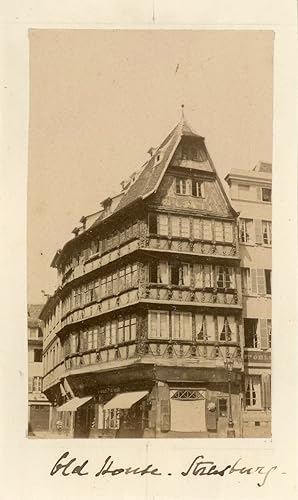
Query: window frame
[267,226]
[181,186]
[269,190]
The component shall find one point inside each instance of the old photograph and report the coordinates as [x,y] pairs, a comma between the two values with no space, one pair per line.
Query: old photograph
[150,233]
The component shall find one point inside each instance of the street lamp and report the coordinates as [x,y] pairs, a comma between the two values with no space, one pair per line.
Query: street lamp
[229,367]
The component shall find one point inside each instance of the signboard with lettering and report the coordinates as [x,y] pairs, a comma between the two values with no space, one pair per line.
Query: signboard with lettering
[253,357]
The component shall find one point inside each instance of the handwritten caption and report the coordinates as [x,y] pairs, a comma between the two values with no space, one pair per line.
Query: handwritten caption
[198,467]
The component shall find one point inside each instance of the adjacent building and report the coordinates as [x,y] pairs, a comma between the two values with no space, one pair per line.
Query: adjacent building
[250,192]
[143,336]
[38,405]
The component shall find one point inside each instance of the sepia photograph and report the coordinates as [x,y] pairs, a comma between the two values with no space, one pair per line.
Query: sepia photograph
[149,233]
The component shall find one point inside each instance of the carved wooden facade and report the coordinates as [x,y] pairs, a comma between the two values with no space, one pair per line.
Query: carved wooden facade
[153,287]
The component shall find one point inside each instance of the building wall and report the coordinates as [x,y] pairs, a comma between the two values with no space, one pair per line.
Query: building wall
[256,255]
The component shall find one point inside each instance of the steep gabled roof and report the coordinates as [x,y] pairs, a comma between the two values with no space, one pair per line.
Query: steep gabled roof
[151,174]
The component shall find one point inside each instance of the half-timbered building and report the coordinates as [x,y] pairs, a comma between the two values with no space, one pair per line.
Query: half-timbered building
[147,312]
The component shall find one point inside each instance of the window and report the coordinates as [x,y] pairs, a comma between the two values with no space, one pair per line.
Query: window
[158,324]
[228,232]
[197,188]
[153,272]
[182,186]
[108,333]
[175,226]
[37,384]
[162,273]
[197,228]
[200,327]
[269,331]
[112,418]
[207,229]
[251,332]
[222,407]
[245,230]
[182,326]
[225,277]
[163,225]
[226,328]
[253,391]
[90,339]
[266,232]
[266,194]
[268,281]
[114,332]
[153,223]
[37,355]
[128,276]
[207,276]
[130,328]
[185,227]
[39,334]
[180,274]
[198,275]
[121,279]
[219,233]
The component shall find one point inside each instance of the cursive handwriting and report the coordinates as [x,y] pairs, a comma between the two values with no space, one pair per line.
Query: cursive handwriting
[107,469]
[199,467]
[66,467]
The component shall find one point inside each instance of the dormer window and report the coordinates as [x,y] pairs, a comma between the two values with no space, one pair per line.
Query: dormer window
[197,189]
[181,186]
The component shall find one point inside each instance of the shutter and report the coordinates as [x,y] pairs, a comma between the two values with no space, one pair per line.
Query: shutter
[261,281]
[264,334]
[259,193]
[258,231]
[165,415]
[263,393]
[30,384]
[253,275]
[268,390]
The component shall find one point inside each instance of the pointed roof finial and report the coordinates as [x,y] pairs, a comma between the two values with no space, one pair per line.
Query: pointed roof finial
[182,110]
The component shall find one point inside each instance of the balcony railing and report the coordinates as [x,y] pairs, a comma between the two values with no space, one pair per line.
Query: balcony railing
[207,354]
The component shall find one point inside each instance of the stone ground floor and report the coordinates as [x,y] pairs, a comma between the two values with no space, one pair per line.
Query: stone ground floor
[154,402]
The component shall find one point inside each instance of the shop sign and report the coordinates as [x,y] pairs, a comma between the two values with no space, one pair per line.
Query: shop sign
[257,357]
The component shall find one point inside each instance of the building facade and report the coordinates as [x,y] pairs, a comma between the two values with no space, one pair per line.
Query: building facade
[38,405]
[147,315]
[250,192]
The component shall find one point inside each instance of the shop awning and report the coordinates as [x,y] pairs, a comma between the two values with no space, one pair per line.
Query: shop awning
[125,400]
[74,403]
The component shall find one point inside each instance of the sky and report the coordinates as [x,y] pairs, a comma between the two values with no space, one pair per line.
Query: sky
[99,99]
